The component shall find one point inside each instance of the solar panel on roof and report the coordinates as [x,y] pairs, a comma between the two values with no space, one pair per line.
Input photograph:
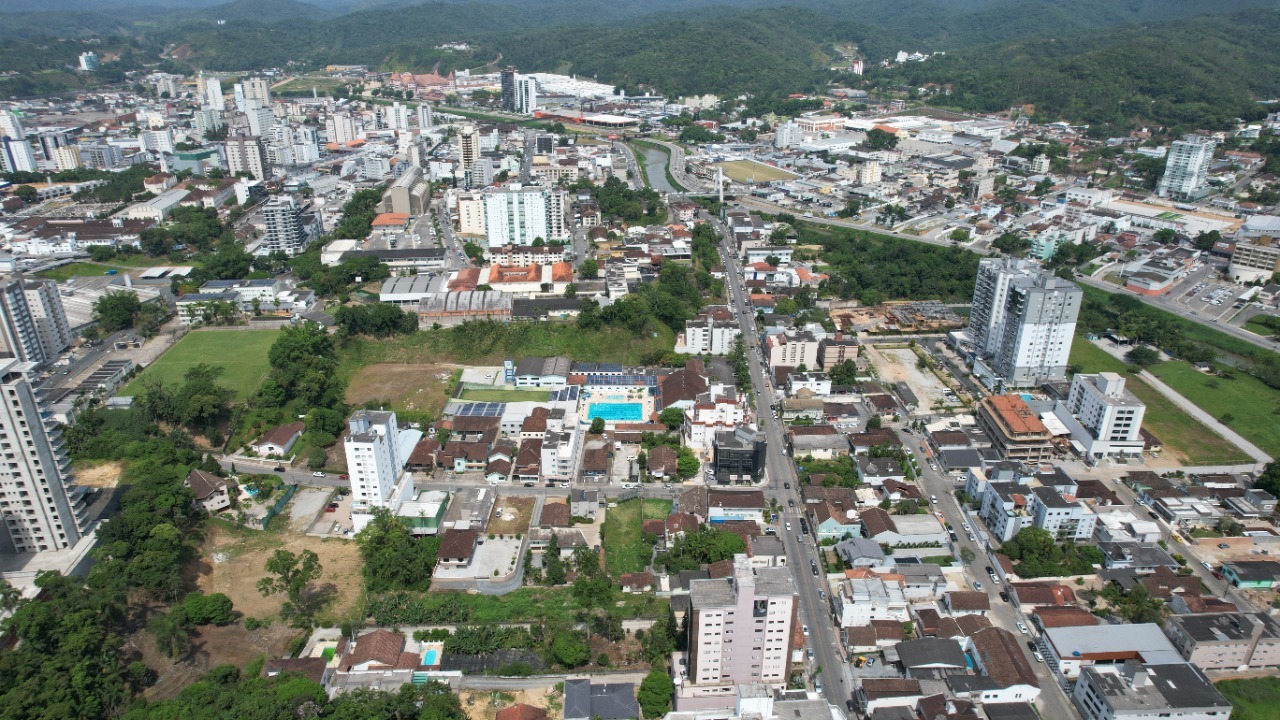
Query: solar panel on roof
[479,409]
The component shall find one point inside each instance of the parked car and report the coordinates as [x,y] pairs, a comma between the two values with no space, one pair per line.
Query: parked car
[1004,596]
[279,468]
[1036,654]
[1023,629]
[317,474]
[1223,546]
[805,630]
[344,477]
[786,485]
[977,586]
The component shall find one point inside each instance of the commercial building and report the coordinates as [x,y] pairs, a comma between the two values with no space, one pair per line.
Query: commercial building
[1015,430]
[1068,650]
[38,512]
[740,630]
[33,323]
[1226,641]
[739,456]
[1186,169]
[1022,323]
[1256,257]
[16,155]
[408,195]
[1104,418]
[1137,691]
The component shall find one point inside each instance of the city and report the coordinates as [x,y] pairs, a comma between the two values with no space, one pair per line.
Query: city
[446,387]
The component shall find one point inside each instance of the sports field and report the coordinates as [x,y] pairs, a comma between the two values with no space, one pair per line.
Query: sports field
[505,396]
[752,171]
[241,353]
[78,269]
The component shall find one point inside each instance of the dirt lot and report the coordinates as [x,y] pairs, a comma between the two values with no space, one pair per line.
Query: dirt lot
[408,387]
[485,705]
[211,646]
[232,562]
[515,516]
[899,365]
[106,475]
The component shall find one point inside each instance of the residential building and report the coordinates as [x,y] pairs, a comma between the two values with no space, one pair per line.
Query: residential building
[469,147]
[1252,574]
[11,126]
[739,456]
[1137,691]
[1063,519]
[1015,430]
[1256,257]
[1186,168]
[37,509]
[1000,656]
[1226,641]
[287,229]
[585,700]
[245,154]
[740,629]
[526,101]
[515,215]
[340,128]
[714,331]
[89,61]
[211,89]
[1022,323]
[860,600]
[1105,419]
[792,349]
[33,323]
[212,493]
[834,350]
[16,156]
[377,451]
[279,441]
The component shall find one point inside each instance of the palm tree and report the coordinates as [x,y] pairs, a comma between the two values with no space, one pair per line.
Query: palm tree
[172,635]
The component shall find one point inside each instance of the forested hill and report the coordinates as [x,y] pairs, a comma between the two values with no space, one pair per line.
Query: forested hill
[1192,73]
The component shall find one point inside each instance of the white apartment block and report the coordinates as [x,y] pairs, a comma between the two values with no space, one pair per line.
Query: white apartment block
[515,216]
[1137,691]
[1063,519]
[340,128]
[246,154]
[557,214]
[1103,416]
[708,335]
[1022,323]
[285,230]
[740,629]
[860,600]
[33,323]
[1186,169]
[377,451]
[470,214]
[211,90]
[16,156]
[792,350]
[38,513]
[560,454]
[67,157]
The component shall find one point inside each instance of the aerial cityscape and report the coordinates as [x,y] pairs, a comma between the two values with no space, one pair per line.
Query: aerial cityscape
[711,360]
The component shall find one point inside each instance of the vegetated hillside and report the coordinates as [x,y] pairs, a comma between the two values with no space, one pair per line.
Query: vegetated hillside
[1193,73]
[263,11]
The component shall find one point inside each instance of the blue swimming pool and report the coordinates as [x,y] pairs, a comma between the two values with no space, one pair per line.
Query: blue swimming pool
[429,657]
[627,412]
[1028,398]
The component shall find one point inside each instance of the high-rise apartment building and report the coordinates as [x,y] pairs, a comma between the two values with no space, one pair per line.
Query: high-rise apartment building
[246,154]
[1022,323]
[38,513]
[509,89]
[67,157]
[515,215]
[11,126]
[16,156]
[340,128]
[468,146]
[1109,416]
[285,229]
[157,141]
[526,95]
[557,214]
[397,116]
[89,61]
[375,459]
[207,121]
[425,118]
[1186,170]
[257,89]
[212,94]
[740,628]
[261,120]
[33,323]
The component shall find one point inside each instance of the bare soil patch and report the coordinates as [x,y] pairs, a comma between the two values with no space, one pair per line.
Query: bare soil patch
[105,475]
[211,646]
[405,387]
[516,514]
[232,561]
[484,705]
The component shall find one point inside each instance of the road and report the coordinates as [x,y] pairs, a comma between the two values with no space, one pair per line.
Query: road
[455,256]
[635,179]
[1053,703]
[781,477]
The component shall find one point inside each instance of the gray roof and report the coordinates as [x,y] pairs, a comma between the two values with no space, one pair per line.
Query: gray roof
[1010,711]
[927,652]
[1172,686]
[584,700]
[1225,627]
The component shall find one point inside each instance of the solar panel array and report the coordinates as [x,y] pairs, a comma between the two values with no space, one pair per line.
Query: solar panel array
[478,409]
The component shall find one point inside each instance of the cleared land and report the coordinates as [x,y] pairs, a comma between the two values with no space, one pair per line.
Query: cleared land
[303,85]
[752,171]
[1182,435]
[1251,404]
[514,518]
[63,273]
[421,388]
[241,353]
[624,550]
[102,475]
[506,396]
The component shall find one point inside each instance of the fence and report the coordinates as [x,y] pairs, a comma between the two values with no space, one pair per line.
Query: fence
[289,490]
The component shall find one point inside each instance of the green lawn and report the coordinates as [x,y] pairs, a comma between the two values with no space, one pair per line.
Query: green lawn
[1177,430]
[623,547]
[63,273]
[1253,326]
[243,354]
[1253,698]
[1251,404]
[752,171]
[506,396]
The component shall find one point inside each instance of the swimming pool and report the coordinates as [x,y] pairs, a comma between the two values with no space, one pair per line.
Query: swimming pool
[628,412]
[1028,398]
[429,657]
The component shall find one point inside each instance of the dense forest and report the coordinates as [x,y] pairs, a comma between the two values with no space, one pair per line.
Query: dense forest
[874,268]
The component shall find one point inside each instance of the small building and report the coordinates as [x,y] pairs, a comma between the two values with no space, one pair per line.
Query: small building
[211,492]
[457,547]
[585,700]
[279,441]
[1255,574]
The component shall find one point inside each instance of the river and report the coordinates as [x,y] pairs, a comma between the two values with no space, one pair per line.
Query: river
[655,165]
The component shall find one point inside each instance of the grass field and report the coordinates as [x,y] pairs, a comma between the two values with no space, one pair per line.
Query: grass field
[624,550]
[1253,698]
[416,388]
[242,354]
[1253,326]
[63,273]
[1251,404]
[506,396]
[302,85]
[750,170]
[1181,434]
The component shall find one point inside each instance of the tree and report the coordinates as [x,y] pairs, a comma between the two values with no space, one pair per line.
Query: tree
[878,139]
[213,609]
[959,235]
[597,426]
[589,269]
[292,575]
[874,422]
[672,417]
[571,290]
[116,310]
[171,632]
[393,558]
[570,649]
[1142,356]
[655,693]
[26,193]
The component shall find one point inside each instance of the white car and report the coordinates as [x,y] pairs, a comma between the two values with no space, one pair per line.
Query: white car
[1023,629]
[805,629]
[317,474]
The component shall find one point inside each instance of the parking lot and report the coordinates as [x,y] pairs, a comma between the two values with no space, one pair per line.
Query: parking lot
[1213,300]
